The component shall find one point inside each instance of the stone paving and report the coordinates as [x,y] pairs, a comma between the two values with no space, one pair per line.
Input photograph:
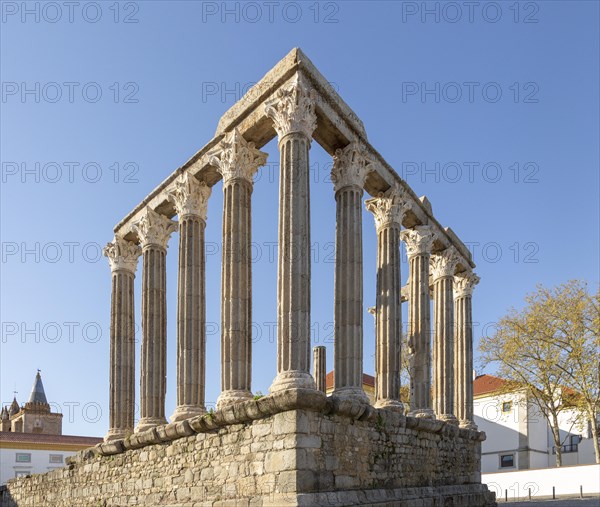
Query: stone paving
[567,502]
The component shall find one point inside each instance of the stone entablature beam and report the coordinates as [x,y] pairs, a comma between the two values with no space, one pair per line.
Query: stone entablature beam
[336,126]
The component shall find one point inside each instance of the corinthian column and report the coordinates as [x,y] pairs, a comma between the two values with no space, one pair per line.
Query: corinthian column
[350,168]
[464,283]
[418,247]
[153,231]
[190,197]
[122,257]
[294,119]
[388,211]
[237,161]
[443,265]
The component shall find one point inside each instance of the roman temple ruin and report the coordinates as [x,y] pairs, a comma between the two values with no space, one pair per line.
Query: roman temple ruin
[294,446]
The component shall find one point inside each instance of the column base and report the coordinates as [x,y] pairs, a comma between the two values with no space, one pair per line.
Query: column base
[232,396]
[293,379]
[117,434]
[186,411]
[351,393]
[395,405]
[424,413]
[468,425]
[448,418]
[146,423]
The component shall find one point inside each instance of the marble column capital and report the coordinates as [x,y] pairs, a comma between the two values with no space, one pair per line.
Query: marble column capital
[464,284]
[293,109]
[190,196]
[418,240]
[388,209]
[154,229]
[236,158]
[444,263]
[122,254]
[350,166]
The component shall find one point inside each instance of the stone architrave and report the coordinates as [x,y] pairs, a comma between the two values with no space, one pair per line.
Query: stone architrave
[294,119]
[388,211]
[237,161]
[464,283]
[419,241]
[123,258]
[443,265]
[153,231]
[190,197]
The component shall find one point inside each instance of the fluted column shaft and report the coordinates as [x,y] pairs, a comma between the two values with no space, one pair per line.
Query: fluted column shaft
[294,119]
[123,257]
[348,304]
[191,319]
[389,316]
[236,287]
[190,197]
[154,231]
[122,353]
[388,212]
[420,333]
[348,175]
[237,161]
[443,338]
[418,246]
[320,368]
[463,353]
[293,276]
[154,337]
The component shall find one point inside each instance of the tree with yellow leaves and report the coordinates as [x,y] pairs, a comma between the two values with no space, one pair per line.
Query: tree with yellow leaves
[551,348]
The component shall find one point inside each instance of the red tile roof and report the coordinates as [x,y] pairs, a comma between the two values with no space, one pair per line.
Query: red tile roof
[368,380]
[484,384]
[38,438]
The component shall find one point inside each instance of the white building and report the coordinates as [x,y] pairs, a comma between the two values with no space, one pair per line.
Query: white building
[34,453]
[519,436]
[31,439]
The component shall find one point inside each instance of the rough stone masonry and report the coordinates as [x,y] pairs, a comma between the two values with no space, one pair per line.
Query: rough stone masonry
[295,446]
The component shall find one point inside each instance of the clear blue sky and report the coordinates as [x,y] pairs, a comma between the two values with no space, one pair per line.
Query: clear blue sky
[526,198]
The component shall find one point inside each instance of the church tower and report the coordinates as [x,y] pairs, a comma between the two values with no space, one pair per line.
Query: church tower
[35,416]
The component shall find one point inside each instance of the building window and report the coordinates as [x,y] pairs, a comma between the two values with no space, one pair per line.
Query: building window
[23,457]
[507,461]
[507,406]
[56,458]
[21,473]
[573,446]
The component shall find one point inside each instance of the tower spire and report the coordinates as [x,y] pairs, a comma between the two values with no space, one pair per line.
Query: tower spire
[37,392]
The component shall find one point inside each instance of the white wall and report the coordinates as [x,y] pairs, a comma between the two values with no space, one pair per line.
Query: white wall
[566,480]
[501,428]
[503,431]
[40,462]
